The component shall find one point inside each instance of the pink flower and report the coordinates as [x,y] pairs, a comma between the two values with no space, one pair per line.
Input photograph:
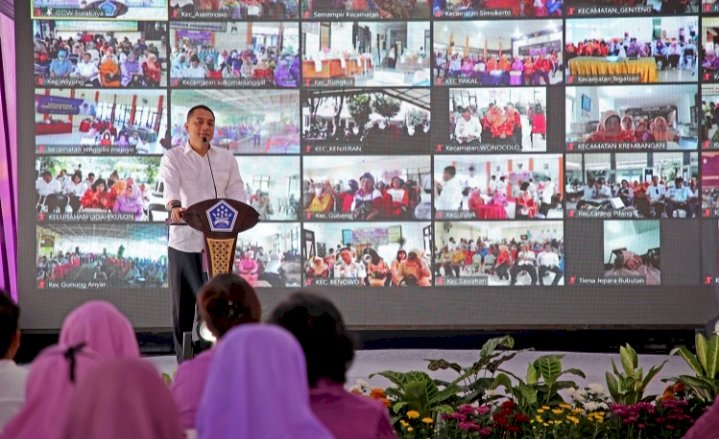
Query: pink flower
[466,409]
[483,410]
[454,417]
[485,432]
[469,426]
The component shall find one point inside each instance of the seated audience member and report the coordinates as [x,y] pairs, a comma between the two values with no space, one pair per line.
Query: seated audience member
[378,272]
[152,71]
[12,376]
[322,200]
[102,328]
[123,398]
[329,352]
[318,269]
[413,271]
[224,302]
[678,199]
[109,72]
[74,189]
[86,70]
[394,268]
[347,267]
[548,262]
[61,67]
[130,201]
[467,129]
[257,388]
[131,71]
[525,263]
[610,130]
[98,197]
[51,383]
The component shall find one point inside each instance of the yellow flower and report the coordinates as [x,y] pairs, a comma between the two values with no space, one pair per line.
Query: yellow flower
[557,411]
[546,407]
[410,429]
[427,420]
[577,411]
[573,420]
[565,406]
[539,419]
[540,411]
[545,424]
[403,423]
[413,414]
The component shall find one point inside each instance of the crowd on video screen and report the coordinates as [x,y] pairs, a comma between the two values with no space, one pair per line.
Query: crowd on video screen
[514,258]
[99,59]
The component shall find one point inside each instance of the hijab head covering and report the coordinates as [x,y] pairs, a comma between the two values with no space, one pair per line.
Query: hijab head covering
[53,379]
[257,388]
[125,398]
[103,328]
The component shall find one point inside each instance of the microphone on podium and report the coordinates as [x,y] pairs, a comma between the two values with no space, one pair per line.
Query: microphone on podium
[206,143]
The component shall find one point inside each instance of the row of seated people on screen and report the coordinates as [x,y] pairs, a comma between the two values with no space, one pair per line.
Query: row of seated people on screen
[497,125]
[407,269]
[283,69]
[367,200]
[464,193]
[659,199]
[373,132]
[120,196]
[535,8]
[266,268]
[505,261]
[117,269]
[670,53]
[240,9]
[249,131]
[613,128]
[104,67]
[498,70]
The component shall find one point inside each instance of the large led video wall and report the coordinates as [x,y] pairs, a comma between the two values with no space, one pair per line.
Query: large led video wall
[447,146]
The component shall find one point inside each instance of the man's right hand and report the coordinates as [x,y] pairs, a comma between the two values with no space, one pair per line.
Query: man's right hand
[176,214]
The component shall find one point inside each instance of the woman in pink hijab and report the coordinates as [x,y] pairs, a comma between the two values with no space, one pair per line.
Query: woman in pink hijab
[102,328]
[125,398]
[51,383]
[257,388]
[224,302]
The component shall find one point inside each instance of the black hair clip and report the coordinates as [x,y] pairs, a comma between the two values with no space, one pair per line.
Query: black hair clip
[71,355]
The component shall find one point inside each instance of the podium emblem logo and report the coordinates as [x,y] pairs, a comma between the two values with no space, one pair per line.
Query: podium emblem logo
[108,8]
[222,217]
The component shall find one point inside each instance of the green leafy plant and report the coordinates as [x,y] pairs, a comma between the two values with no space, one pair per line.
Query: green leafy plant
[476,380]
[385,106]
[360,108]
[416,391]
[705,364]
[541,384]
[628,387]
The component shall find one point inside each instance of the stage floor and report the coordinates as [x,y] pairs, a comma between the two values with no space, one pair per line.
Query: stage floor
[593,365]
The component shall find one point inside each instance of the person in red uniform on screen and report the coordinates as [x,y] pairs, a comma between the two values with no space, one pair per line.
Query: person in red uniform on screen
[610,130]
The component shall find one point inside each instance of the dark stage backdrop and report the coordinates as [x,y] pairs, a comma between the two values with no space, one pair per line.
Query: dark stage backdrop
[488,164]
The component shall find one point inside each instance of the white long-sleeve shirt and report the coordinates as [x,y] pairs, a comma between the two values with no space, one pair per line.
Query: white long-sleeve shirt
[187,178]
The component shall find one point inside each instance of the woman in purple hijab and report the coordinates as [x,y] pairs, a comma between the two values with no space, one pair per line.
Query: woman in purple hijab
[130,201]
[131,71]
[224,302]
[102,328]
[51,383]
[257,388]
[329,351]
[124,398]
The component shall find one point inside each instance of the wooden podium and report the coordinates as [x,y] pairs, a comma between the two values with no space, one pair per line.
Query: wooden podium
[220,220]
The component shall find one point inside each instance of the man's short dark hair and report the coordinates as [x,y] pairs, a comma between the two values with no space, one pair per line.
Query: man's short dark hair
[451,170]
[46,174]
[199,107]
[318,326]
[9,316]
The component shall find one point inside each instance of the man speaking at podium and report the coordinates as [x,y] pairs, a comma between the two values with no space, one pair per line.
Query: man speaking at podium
[193,173]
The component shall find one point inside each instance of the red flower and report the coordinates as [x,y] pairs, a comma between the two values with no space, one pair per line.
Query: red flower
[501,420]
[521,418]
[508,404]
[513,429]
